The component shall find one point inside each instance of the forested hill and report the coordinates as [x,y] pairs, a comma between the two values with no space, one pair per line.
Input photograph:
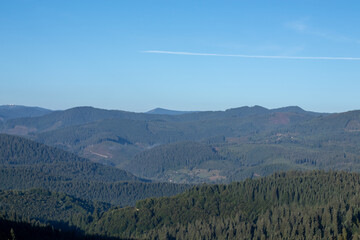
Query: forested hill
[42,206]
[17,151]
[20,153]
[25,231]
[15,111]
[293,205]
[115,137]
[83,115]
[330,124]
[156,161]
[25,164]
[225,145]
[167,111]
[40,214]
[75,116]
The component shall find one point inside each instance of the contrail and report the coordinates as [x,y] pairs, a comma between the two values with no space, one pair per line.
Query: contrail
[251,56]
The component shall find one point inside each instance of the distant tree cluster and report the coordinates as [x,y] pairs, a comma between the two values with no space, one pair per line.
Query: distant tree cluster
[171,156]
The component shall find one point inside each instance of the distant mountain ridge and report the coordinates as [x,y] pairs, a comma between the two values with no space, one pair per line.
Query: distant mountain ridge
[83,115]
[198,147]
[167,111]
[115,137]
[17,111]
[245,110]
[247,141]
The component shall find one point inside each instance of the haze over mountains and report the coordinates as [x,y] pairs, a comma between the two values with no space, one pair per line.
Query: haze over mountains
[15,111]
[167,111]
[215,146]
[87,169]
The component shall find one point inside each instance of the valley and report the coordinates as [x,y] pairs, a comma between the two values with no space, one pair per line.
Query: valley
[233,145]
[230,173]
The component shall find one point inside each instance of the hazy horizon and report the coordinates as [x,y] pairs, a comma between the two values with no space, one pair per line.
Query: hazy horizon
[166,108]
[192,56]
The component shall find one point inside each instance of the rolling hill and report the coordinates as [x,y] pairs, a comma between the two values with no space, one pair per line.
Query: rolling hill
[116,137]
[20,153]
[16,111]
[313,205]
[292,205]
[167,111]
[25,164]
[248,141]
[171,156]
[37,205]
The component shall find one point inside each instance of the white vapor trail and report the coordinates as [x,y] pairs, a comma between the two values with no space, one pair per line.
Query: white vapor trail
[251,56]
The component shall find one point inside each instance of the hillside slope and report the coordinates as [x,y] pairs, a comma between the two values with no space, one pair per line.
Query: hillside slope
[25,164]
[37,205]
[116,140]
[293,205]
[20,153]
[15,111]
[248,141]
[167,111]
[315,205]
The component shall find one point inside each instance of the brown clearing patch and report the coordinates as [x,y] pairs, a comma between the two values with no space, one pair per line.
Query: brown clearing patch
[280,119]
[20,130]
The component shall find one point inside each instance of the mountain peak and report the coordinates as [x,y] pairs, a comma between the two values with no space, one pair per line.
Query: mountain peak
[295,109]
[12,111]
[164,111]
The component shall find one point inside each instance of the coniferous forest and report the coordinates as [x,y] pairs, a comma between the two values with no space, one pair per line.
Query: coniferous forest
[246,173]
[293,205]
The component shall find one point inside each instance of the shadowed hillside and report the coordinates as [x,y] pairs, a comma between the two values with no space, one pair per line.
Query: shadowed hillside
[25,164]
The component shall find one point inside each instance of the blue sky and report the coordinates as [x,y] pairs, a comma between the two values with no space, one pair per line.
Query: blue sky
[62,54]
